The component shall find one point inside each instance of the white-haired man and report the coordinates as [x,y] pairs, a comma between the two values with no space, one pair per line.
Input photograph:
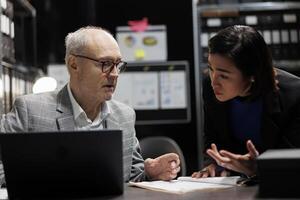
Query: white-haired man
[94,62]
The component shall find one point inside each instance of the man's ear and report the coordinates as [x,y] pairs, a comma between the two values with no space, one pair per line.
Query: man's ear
[71,63]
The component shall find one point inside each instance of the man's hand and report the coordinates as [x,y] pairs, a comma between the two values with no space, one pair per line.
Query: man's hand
[210,170]
[164,167]
[240,163]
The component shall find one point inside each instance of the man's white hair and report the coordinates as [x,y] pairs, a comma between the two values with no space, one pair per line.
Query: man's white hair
[75,42]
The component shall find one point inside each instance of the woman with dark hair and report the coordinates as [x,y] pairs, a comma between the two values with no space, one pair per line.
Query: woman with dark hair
[249,106]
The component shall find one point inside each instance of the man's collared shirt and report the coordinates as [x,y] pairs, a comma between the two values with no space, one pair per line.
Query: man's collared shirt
[82,122]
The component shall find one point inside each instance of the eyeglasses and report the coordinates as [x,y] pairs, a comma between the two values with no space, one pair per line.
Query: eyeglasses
[108,65]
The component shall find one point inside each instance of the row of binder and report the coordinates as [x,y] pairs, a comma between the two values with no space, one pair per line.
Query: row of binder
[7,8]
[6,17]
[272,37]
[268,19]
[15,83]
[284,44]
[208,2]
[7,26]
[7,31]
[280,29]
[8,49]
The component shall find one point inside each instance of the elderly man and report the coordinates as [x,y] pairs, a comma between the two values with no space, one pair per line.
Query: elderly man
[94,62]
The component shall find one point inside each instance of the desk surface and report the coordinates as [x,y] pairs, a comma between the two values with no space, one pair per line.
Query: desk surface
[234,193]
[240,193]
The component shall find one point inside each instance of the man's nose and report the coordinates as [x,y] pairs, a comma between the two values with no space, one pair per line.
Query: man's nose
[114,71]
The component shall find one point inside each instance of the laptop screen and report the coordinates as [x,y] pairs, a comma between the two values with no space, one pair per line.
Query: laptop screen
[48,164]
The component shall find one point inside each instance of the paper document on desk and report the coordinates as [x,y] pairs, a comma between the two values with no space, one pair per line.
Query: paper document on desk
[184,184]
[230,180]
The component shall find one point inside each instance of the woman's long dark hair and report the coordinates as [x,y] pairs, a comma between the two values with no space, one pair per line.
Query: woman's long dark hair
[250,53]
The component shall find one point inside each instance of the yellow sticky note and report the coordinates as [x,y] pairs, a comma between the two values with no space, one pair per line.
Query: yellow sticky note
[139,54]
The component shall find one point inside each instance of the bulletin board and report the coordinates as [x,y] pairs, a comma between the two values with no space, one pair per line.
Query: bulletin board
[159,92]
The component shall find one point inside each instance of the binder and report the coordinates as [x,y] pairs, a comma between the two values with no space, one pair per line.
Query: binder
[276,44]
[285,40]
[204,45]
[294,53]
[267,36]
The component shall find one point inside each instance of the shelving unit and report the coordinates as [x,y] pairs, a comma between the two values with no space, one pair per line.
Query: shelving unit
[16,76]
[278,22]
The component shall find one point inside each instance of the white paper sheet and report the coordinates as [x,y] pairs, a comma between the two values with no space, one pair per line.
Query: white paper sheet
[230,180]
[124,90]
[173,90]
[138,90]
[188,184]
[145,90]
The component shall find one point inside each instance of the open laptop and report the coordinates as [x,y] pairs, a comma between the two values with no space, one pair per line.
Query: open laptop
[63,164]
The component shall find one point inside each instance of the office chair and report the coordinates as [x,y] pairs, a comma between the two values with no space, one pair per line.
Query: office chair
[152,147]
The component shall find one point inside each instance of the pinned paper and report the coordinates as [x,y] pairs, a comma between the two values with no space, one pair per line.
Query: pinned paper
[150,41]
[148,45]
[138,25]
[139,54]
[129,41]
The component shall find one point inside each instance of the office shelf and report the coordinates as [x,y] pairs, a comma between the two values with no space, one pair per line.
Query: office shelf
[16,76]
[278,22]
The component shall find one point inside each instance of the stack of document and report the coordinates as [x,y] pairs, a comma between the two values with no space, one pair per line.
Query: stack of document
[188,184]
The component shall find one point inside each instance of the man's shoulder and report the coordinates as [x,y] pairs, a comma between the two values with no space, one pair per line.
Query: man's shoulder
[122,112]
[40,98]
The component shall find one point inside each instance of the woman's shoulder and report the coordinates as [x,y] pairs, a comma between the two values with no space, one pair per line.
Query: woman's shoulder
[289,87]
[287,80]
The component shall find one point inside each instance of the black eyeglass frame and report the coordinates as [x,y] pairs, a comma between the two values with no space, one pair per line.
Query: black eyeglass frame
[121,65]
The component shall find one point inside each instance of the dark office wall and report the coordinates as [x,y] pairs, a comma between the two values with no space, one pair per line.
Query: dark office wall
[55,18]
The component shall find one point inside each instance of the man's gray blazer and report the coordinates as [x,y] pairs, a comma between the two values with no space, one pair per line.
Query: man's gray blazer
[52,111]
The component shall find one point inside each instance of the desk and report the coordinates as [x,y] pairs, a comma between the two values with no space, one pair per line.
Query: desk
[240,193]
[132,193]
